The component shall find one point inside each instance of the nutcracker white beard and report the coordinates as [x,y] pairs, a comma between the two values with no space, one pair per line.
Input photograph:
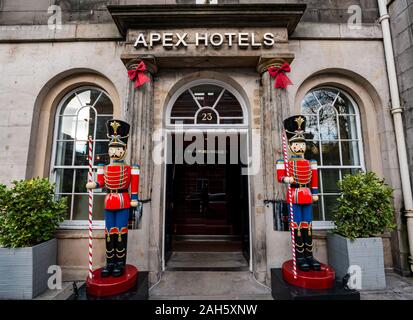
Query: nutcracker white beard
[298,148]
[117,153]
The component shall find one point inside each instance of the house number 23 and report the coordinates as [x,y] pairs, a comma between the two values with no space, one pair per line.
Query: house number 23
[206,116]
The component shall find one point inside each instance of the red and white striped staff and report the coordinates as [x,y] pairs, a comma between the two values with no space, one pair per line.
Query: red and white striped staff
[90,191]
[290,202]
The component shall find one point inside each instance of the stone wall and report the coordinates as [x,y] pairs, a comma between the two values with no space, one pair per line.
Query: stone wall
[401,18]
[15,12]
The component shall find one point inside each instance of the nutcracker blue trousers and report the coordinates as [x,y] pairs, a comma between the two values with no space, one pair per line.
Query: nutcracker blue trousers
[116,218]
[302,212]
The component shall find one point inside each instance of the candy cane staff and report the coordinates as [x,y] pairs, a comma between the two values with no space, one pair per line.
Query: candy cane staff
[117,177]
[90,192]
[290,202]
[302,179]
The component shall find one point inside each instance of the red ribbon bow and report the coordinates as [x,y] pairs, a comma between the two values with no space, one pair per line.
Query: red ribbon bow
[281,79]
[138,75]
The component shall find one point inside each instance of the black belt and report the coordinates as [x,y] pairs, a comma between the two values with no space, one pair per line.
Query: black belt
[118,190]
[296,185]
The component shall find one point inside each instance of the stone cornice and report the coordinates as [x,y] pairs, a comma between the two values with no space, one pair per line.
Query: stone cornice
[190,16]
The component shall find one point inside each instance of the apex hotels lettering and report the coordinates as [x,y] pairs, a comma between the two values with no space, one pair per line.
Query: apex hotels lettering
[176,40]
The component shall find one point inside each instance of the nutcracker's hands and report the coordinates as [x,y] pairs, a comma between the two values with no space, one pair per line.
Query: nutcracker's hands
[91,185]
[288,180]
[134,203]
[315,198]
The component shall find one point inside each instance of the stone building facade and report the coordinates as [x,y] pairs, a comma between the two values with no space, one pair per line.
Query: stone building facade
[46,69]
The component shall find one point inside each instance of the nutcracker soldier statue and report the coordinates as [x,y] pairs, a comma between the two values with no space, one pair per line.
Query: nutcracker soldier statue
[117,178]
[303,180]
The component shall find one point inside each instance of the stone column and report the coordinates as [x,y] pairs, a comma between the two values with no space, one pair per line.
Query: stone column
[143,244]
[138,112]
[274,108]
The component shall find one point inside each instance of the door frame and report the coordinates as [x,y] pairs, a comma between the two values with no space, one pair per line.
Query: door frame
[214,131]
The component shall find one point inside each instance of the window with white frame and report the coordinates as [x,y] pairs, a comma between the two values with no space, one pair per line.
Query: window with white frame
[207,104]
[83,112]
[334,140]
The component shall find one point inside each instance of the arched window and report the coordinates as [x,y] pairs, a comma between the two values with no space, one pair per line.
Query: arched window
[82,112]
[207,105]
[335,142]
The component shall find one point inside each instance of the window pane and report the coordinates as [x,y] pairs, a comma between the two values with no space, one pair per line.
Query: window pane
[101,153]
[312,152]
[182,121]
[207,116]
[317,215]
[64,153]
[348,129]
[228,106]
[88,97]
[230,121]
[326,96]
[81,180]
[67,127]
[81,153]
[330,177]
[330,203]
[71,105]
[331,153]
[312,128]
[64,180]
[184,106]
[85,123]
[328,123]
[98,207]
[350,153]
[344,105]
[345,172]
[104,105]
[101,127]
[206,94]
[81,207]
[309,105]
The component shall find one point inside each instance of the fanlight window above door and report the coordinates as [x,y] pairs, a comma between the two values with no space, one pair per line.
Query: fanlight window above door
[206,104]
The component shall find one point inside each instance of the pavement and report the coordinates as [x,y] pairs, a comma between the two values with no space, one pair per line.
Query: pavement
[233,285]
[397,288]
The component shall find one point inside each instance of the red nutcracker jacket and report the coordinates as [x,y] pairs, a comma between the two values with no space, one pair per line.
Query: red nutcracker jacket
[117,178]
[305,175]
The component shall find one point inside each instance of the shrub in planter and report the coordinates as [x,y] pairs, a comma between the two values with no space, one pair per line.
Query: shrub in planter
[363,212]
[29,216]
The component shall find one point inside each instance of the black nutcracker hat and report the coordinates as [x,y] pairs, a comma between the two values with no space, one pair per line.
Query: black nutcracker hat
[117,132]
[295,128]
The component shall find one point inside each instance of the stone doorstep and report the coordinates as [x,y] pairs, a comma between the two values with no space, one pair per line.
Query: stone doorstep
[176,285]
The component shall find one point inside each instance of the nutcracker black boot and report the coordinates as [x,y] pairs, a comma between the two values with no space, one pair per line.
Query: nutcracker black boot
[110,255]
[308,249]
[299,251]
[120,249]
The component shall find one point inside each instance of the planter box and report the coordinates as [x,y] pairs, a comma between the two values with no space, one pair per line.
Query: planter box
[364,252]
[23,271]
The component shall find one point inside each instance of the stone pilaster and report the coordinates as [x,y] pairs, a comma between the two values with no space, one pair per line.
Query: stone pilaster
[144,244]
[274,108]
[138,112]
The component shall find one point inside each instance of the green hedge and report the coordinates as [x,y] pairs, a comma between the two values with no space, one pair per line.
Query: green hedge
[29,213]
[365,207]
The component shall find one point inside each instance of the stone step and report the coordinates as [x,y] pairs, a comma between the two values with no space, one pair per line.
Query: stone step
[207,260]
[226,285]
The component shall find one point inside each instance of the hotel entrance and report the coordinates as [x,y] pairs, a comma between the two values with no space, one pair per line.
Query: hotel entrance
[207,218]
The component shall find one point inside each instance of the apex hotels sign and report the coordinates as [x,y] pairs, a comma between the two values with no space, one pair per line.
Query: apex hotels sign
[170,40]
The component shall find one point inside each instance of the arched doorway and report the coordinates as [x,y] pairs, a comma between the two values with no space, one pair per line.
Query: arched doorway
[207,210]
